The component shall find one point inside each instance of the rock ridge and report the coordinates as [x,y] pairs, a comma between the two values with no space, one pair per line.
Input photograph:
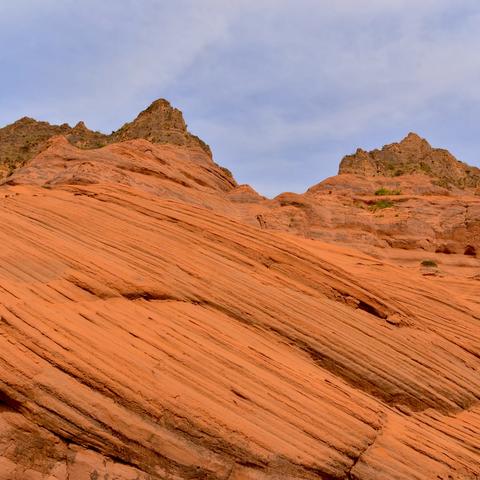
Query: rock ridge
[412,155]
[159,123]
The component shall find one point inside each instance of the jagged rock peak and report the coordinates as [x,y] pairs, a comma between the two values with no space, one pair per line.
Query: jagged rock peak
[415,142]
[159,104]
[412,138]
[25,120]
[160,123]
[163,111]
[413,154]
[80,126]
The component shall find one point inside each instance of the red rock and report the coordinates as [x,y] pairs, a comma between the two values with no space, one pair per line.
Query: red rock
[417,214]
[159,123]
[158,321]
[412,154]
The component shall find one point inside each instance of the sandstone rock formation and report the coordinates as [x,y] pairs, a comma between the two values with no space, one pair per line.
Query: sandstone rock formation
[24,139]
[406,195]
[418,216]
[159,322]
[159,123]
[412,155]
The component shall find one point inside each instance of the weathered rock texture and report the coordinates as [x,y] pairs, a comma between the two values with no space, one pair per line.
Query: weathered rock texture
[154,326]
[22,140]
[159,123]
[345,209]
[412,155]
[406,195]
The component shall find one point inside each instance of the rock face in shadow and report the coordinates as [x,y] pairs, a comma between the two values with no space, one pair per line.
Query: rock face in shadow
[159,321]
[412,155]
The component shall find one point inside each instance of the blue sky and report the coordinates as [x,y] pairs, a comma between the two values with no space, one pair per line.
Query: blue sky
[280,89]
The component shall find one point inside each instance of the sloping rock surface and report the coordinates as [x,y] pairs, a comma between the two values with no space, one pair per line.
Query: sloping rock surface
[26,138]
[406,212]
[159,321]
[409,212]
[148,338]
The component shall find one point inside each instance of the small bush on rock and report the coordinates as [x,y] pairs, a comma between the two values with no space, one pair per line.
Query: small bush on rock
[429,263]
[385,191]
[380,205]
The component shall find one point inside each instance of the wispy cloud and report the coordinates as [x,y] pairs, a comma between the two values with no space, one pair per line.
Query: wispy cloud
[280,89]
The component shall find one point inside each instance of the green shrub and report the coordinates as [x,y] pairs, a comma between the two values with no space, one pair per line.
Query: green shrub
[381,204]
[429,263]
[385,191]
[425,168]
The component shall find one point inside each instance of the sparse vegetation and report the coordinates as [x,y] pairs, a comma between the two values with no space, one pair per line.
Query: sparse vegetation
[380,205]
[385,191]
[429,263]
[442,182]
[11,169]
[226,171]
[423,167]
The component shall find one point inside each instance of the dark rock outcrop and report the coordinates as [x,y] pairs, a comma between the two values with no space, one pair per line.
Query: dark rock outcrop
[412,155]
[159,123]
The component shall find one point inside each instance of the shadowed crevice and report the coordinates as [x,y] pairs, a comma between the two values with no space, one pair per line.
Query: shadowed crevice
[8,403]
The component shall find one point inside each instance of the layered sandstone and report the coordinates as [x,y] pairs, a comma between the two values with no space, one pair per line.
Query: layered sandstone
[159,321]
[406,196]
[148,338]
[159,123]
[413,214]
[26,138]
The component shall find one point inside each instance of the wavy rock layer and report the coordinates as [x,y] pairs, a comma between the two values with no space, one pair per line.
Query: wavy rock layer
[159,321]
[413,214]
[144,338]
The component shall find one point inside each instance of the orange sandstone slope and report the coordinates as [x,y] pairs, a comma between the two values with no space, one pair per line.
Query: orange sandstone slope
[150,329]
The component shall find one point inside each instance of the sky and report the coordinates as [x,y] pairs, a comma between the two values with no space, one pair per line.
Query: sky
[280,89]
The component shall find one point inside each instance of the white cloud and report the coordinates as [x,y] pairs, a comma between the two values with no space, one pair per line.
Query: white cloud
[258,79]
